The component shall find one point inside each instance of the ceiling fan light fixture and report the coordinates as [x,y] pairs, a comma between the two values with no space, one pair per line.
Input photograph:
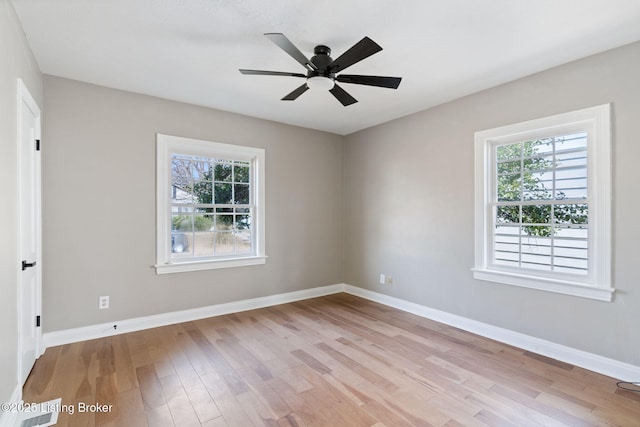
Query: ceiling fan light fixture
[320,83]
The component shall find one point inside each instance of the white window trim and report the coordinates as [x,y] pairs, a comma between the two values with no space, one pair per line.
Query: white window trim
[596,121]
[167,144]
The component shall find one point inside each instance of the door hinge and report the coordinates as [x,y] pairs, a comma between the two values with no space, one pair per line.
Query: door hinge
[37,145]
[37,321]
[26,264]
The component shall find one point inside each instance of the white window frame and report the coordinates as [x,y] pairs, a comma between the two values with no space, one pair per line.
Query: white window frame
[166,146]
[597,283]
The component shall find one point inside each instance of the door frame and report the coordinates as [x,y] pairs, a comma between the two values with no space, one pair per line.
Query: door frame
[24,97]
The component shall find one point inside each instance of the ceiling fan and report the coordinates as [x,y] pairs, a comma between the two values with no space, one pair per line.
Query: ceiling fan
[322,69]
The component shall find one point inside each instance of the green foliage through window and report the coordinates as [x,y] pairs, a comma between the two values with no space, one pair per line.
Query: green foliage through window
[528,189]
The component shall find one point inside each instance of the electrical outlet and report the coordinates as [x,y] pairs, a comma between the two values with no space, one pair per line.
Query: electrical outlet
[390,280]
[103,302]
[383,279]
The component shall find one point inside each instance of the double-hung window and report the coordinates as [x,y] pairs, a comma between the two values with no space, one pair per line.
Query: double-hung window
[210,205]
[543,204]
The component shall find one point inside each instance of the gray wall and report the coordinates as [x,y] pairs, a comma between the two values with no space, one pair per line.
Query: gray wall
[409,207]
[16,62]
[99,206]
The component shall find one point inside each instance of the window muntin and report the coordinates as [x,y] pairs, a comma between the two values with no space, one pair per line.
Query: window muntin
[543,204]
[210,205]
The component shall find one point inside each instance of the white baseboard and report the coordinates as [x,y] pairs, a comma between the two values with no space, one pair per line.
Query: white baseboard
[590,361]
[84,333]
[10,418]
[603,365]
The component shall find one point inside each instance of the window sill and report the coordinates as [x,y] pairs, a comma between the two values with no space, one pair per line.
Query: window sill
[181,267]
[545,284]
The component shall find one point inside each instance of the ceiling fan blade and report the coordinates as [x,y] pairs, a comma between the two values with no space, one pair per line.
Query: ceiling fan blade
[296,93]
[359,51]
[286,45]
[389,82]
[270,73]
[342,96]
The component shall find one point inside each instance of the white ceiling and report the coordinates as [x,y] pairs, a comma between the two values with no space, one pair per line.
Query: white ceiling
[190,50]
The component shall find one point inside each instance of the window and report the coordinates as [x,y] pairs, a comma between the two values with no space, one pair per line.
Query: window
[543,192]
[210,205]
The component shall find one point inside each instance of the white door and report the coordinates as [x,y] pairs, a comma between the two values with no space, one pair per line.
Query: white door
[29,282]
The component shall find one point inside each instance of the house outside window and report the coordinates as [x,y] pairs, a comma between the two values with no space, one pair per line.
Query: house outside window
[210,205]
[543,192]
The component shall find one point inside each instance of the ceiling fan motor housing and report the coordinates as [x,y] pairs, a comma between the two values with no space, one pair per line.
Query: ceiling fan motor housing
[321,60]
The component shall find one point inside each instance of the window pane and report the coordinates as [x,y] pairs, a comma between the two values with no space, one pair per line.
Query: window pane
[570,252]
[572,159]
[243,242]
[537,186]
[509,187]
[224,222]
[203,244]
[511,151]
[571,249]
[241,172]
[182,222]
[571,214]
[223,194]
[509,167]
[181,181]
[180,242]
[536,248]
[537,147]
[241,194]
[223,172]
[224,243]
[571,184]
[573,265]
[537,163]
[507,214]
[201,170]
[203,222]
[536,214]
[572,236]
[243,222]
[202,192]
[181,195]
[571,142]
[537,194]
[180,169]
[507,245]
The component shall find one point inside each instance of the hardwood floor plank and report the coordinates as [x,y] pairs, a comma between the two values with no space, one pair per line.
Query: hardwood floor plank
[265,394]
[331,361]
[385,415]
[150,387]
[216,422]
[178,403]
[311,361]
[107,394]
[160,417]
[131,409]
[491,419]
[126,378]
[202,402]
[232,411]
[40,380]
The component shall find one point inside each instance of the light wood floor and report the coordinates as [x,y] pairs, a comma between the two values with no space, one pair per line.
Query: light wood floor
[331,361]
